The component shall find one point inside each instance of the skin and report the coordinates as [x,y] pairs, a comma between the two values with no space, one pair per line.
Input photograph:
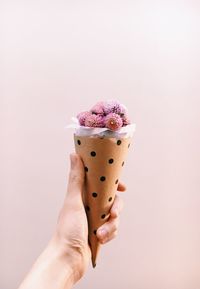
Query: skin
[67,255]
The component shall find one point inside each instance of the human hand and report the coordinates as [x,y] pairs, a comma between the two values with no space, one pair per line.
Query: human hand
[72,228]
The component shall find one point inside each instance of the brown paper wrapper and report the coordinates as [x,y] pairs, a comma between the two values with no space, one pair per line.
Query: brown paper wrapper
[103,158]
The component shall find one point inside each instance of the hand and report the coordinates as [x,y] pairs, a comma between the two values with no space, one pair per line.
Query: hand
[66,257]
[72,228]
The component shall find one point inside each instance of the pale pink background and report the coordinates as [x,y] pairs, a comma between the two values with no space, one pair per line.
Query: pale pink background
[60,57]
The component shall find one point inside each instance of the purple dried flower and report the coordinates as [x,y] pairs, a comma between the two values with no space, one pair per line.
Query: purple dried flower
[94,120]
[110,114]
[113,106]
[98,108]
[126,120]
[82,117]
[113,121]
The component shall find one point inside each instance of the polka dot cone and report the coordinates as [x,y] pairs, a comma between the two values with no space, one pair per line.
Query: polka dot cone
[103,159]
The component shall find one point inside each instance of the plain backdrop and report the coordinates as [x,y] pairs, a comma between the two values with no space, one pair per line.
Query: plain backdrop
[60,57]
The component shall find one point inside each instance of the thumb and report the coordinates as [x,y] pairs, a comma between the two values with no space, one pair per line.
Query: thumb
[76,176]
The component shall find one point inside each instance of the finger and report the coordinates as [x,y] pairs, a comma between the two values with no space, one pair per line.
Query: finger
[76,176]
[108,231]
[121,187]
[109,238]
[117,207]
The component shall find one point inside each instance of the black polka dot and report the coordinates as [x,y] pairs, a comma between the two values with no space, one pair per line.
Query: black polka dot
[95,232]
[86,169]
[87,208]
[79,142]
[102,178]
[111,161]
[94,195]
[116,182]
[103,216]
[119,142]
[93,154]
[129,145]
[110,199]
[122,164]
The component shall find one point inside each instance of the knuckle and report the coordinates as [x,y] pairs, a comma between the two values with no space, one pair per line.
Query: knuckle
[112,236]
[115,226]
[75,178]
[115,234]
[116,198]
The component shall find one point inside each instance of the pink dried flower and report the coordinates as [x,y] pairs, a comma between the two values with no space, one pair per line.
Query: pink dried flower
[113,121]
[126,120]
[82,117]
[98,108]
[94,120]
[113,106]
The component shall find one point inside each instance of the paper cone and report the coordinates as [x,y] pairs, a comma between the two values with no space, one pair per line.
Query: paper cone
[103,159]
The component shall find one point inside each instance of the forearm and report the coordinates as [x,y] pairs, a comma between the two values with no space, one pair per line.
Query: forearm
[52,270]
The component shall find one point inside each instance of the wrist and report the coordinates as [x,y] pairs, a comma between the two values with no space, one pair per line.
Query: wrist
[56,255]
[52,268]
[72,259]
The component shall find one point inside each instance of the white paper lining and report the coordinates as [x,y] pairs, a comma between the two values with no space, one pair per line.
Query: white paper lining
[125,131]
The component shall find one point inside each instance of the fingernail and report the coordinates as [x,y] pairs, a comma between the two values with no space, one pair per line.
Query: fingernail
[73,160]
[102,233]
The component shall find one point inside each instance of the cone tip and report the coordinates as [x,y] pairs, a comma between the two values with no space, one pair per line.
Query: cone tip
[94,262]
[94,265]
